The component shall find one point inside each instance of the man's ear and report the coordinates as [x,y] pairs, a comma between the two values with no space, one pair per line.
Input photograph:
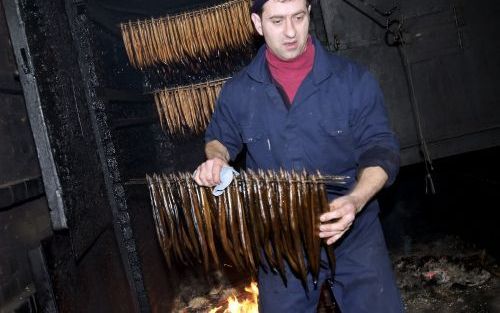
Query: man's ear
[257,23]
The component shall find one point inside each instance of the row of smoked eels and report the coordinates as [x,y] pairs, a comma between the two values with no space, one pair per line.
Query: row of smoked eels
[187,109]
[262,217]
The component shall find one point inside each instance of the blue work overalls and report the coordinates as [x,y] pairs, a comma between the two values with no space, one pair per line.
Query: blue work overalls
[336,124]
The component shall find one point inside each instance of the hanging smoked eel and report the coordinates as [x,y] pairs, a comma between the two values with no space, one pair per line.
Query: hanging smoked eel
[232,195]
[317,210]
[308,222]
[127,42]
[253,208]
[278,245]
[169,218]
[181,107]
[187,217]
[325,208]
[161,228]
[165,217]
[189,254]
[261,186]
[223,229]
[159,109]
[253,224]
[294,227]
[207,211]
[177,232]
[243,231]
[193,110]
[284,214]
[197,220]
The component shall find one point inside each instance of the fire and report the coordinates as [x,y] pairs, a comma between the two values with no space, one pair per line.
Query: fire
[249,305]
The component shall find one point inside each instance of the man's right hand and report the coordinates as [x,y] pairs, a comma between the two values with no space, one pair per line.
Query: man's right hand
[208,173]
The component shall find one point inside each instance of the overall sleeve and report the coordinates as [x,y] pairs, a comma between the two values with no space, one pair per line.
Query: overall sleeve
[223,127]
[376,144]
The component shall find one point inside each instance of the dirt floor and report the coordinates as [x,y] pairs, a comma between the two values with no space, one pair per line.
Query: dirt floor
[446,275]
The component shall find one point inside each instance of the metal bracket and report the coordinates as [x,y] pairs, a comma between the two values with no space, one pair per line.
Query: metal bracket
[394,27]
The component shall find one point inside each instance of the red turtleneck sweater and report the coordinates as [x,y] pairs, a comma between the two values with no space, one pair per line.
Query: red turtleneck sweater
[290,74]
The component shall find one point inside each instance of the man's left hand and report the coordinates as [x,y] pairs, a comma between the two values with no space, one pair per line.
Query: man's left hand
[340,218]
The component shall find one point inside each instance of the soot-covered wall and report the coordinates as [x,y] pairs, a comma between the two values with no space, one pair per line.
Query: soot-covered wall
[453,53]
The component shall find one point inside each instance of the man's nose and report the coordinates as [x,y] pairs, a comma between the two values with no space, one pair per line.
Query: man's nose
[289,28]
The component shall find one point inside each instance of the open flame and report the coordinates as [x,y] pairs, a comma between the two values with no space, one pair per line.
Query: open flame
[248,305]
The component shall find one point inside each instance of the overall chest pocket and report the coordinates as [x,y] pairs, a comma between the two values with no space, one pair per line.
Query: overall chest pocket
[337,128]
[336,145]
[251,134]
[259,154]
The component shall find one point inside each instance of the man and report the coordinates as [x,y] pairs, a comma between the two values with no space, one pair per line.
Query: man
[296,106]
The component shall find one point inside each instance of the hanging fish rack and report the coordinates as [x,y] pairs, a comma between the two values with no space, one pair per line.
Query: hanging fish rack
[187,109]
[188,36]
[261,218]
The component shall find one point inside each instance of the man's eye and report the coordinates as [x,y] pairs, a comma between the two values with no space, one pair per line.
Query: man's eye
[277,22]
[299,18]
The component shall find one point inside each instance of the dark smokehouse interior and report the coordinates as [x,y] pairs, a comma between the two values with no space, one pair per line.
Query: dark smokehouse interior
[98,97]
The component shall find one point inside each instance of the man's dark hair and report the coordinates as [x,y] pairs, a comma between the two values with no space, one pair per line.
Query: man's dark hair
[258,4]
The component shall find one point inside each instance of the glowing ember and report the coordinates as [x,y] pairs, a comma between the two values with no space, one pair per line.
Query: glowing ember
[249,305]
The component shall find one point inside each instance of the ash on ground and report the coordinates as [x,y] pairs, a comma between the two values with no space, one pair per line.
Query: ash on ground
[447,275]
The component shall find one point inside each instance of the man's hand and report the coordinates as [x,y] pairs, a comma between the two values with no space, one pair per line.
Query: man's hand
[343,210]
[208,173]
[340,218]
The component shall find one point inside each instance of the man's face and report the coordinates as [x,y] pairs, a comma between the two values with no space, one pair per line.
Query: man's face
[285,26]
